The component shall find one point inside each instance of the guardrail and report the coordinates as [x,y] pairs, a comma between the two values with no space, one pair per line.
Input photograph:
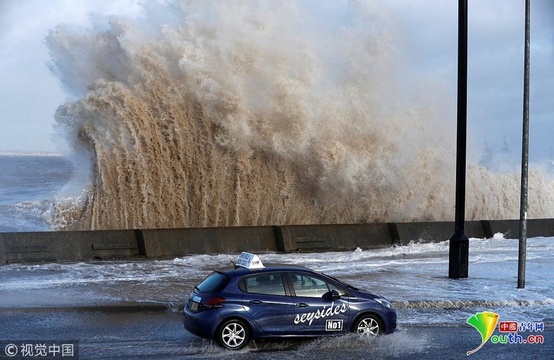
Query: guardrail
[167,243]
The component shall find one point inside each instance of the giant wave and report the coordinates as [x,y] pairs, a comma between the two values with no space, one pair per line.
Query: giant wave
[209,113]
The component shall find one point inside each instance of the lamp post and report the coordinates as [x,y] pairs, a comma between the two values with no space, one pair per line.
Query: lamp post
[459,243]
[522,255]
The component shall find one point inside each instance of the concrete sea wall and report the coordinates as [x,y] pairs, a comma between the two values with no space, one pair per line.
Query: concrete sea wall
[169,243]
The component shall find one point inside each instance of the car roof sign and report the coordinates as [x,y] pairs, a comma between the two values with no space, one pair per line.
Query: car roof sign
[249,261]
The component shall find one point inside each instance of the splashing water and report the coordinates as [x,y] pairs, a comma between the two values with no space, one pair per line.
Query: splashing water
[208,113]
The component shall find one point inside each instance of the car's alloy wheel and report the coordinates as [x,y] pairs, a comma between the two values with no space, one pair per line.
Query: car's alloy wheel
[233,334]
[368,325]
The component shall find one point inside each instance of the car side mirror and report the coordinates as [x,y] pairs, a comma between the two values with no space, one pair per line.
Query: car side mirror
[331,295]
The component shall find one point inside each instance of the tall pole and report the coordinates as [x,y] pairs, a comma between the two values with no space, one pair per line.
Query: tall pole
[524,155]
[459,243]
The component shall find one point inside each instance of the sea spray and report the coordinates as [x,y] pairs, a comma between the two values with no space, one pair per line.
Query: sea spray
[260,113]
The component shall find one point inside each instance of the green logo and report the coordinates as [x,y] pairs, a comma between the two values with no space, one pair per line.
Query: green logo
[485,322]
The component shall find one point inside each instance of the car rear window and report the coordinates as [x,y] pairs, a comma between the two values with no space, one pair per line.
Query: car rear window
[214,282]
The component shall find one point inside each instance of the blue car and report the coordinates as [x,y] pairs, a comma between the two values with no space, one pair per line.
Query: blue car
[252,301]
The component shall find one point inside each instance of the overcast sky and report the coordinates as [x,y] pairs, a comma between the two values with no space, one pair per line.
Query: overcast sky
[30,94]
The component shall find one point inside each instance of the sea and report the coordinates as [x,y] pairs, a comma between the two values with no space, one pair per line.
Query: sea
[28,186]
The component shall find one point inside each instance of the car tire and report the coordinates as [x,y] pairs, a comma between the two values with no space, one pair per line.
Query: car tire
[368,324]
[233,334]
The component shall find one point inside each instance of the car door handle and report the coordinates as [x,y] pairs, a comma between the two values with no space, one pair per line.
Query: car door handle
[256,302]
[303,305]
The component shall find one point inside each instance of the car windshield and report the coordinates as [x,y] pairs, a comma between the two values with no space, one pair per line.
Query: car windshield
[214,282]
[342,282]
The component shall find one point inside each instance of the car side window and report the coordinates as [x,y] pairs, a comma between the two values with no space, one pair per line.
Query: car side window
[308,286]
[265,283]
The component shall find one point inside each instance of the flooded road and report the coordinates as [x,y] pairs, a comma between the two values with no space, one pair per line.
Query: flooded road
[160,335]
[131,309]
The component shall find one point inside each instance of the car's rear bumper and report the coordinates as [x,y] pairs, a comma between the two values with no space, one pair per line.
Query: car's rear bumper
[200,323]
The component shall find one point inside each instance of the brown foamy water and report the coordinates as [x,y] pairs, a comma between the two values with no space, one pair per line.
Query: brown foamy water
[260,113]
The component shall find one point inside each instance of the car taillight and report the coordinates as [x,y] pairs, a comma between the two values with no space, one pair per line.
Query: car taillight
[214,302]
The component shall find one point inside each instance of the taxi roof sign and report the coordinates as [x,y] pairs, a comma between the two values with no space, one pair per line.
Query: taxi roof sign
[249,261]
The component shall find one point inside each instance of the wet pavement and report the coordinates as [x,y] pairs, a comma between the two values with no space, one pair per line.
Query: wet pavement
[131,309]
[160,335]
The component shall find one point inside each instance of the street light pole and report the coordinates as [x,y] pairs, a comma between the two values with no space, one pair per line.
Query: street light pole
[459,243]
[524,155]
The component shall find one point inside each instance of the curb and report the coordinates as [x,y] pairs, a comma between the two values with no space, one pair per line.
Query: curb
[108,308]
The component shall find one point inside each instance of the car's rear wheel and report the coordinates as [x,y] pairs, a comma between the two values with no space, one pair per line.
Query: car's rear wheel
[233,334]
[369,324]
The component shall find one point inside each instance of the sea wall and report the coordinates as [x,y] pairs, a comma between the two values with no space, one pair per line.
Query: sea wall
[167,243]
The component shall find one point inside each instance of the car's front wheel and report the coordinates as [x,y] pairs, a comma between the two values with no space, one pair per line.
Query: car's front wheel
[369,324]
[233,334]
